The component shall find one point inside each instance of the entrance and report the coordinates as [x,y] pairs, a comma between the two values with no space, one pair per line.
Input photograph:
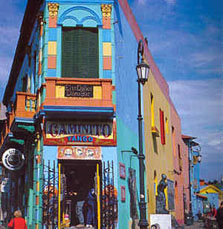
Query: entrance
[60,193]
[81,188]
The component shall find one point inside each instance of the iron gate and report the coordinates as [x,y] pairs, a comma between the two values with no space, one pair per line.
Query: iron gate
[109,197]
[50,196]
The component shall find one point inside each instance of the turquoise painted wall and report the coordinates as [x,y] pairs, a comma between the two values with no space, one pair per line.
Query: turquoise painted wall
[127,107]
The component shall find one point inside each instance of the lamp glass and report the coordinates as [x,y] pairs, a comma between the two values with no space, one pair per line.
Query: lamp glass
[142,71]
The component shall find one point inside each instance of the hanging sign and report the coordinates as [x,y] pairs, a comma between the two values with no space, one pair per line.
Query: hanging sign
[80,133]
[79,153]
[13,159]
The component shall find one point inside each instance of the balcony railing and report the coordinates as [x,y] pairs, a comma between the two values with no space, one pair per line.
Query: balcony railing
[78,92]
[25,105]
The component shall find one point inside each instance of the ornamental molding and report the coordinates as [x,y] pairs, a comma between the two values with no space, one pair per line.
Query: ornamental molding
[106,10]
[53,9]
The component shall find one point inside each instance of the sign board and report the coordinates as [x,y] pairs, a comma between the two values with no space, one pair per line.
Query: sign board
[79,153]
[79,90]
[163,220]
[93,133]
[13,159]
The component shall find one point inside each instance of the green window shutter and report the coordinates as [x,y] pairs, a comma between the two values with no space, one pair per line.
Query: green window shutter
[80,58]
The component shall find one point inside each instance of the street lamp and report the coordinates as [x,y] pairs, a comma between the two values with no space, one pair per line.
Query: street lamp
[142,70]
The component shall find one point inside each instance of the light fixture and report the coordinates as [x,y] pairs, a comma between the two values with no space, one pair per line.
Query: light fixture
[142,68]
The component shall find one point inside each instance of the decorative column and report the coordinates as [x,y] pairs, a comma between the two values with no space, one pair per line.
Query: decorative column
[106,39]
[53,12]
[38,183]
[52,41]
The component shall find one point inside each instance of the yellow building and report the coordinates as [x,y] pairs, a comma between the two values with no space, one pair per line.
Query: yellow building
[158,143]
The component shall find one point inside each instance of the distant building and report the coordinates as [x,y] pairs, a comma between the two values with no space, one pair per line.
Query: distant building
[196,204]
[214,194]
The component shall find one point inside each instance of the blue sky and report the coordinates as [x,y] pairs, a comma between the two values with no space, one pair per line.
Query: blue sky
[186,41]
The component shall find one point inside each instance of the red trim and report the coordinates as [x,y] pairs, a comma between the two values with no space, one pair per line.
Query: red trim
[123,193]
[122,171]
[162,127]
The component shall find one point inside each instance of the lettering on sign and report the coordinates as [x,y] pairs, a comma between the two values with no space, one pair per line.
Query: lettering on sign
[76,133]
[79,90]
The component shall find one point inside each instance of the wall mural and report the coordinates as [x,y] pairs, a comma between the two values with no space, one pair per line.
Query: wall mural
[133,197]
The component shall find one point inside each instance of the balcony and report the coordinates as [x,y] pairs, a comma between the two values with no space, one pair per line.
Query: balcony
[82,96]
[25,105]
[20,121]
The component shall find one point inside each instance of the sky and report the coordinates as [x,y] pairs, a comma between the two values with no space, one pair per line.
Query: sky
[186,40]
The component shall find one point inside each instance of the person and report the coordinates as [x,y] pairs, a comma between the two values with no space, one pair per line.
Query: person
[78,194]
[219,216]
[214,211]
[91,208]
[18,222]
[80,197]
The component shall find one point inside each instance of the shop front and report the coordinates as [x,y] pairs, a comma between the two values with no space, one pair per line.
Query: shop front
[78,172]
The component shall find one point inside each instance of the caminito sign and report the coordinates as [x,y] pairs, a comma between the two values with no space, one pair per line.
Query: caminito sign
[80,133]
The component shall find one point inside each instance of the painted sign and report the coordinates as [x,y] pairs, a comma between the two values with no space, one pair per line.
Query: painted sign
[79,90]
[79,153]
[13,159]
[80,133]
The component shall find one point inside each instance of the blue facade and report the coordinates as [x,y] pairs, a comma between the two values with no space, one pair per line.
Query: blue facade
[194,177]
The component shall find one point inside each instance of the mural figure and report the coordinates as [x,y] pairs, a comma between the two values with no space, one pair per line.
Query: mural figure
[133,196]
[161,198]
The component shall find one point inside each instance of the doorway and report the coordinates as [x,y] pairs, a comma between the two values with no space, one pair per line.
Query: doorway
[80,182]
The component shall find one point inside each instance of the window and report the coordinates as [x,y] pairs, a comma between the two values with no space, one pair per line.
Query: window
[162,127]
[80,52]
[179,158]
[24,83]
[174,141]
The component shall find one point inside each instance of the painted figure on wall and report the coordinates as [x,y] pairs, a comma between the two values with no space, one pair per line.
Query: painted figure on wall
[161,198]
[133,196]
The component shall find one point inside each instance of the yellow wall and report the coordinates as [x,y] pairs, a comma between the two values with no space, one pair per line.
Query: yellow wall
[162,160]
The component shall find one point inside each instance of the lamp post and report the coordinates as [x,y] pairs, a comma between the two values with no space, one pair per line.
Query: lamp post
[142,71]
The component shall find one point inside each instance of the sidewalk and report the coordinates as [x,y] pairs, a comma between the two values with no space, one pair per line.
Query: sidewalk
[196,225]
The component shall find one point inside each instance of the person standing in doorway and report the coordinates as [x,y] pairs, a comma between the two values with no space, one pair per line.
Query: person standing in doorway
[18,222]
[91,209]
[81,196]
[219,216]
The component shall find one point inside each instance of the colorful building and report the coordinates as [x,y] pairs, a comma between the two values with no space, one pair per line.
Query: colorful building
[72,122]
[214,195]
[196,204]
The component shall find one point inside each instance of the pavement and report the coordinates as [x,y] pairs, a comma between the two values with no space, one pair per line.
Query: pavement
[196,225]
